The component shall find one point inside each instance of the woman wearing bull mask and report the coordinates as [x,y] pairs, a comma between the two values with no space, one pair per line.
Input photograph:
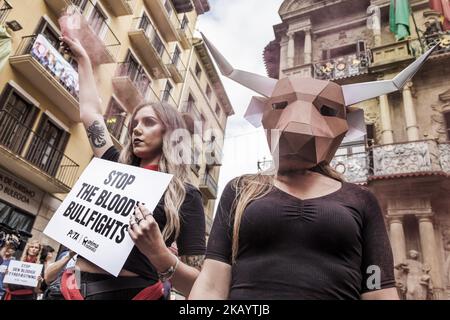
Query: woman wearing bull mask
[299,231]
[178,217]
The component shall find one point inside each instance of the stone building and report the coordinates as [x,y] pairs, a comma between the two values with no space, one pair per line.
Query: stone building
[405,157]
[141,50]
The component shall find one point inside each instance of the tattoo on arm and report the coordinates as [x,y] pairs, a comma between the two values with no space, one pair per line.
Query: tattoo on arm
[194,261]
[96,134]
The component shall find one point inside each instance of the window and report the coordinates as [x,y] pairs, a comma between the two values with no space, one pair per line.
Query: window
[115,118]
[359,47]
[81,4]
[195,158]
[208,91]
[447,124]
[16,118]
[97,20]
[184,22]
[167,92]
[47,147]
[203,125]
[198,71]
[168,7]
[218,110]
[4,11]
[135,72]
[16,219]
[176,56]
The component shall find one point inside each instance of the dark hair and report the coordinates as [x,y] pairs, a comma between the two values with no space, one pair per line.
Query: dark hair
[46,249]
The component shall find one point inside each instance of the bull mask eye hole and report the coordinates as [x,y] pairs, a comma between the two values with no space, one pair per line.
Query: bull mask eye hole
[328,111]
[280,105]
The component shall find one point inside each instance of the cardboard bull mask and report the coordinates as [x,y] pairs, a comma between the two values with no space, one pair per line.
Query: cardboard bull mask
[307,119]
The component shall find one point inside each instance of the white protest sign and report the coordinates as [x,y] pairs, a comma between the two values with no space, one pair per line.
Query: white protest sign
[93,219]
[23,273]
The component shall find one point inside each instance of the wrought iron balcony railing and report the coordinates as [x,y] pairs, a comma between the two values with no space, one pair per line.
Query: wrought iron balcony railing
[136,74]
[37,151]
[5,9]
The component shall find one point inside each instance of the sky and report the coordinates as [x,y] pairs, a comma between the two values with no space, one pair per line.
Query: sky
[241,29]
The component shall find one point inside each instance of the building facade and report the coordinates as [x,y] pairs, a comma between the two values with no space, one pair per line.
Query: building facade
[404,158]
[141,50]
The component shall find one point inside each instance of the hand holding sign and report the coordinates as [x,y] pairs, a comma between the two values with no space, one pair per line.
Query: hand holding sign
[145,233]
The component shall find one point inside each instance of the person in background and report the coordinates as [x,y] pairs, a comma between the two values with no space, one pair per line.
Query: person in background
[47,254]
[66,260]
[7,254]
[31,254]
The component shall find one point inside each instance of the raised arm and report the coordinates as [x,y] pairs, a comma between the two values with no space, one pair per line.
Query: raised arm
[90,105]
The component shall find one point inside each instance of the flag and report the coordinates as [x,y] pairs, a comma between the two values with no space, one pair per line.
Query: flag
[399,18]
[443,7]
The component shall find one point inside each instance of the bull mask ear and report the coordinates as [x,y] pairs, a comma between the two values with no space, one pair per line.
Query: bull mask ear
[354,93]
[262,85]
[356,125]
[255,111]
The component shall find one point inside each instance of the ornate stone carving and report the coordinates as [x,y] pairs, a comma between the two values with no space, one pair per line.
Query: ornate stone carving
[402,158]
[438,129]
[355,168]
[444,156]
[414,282]
[446,245]
[292,5]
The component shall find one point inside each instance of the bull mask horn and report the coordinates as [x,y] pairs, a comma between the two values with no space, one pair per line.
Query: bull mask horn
[354,93]
[262,85]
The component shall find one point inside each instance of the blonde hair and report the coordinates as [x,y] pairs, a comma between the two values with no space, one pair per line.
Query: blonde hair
[27,247]
[174,197]
[255,186]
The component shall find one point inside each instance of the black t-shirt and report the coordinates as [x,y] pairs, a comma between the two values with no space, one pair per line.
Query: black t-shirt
[191,240]
[321,248]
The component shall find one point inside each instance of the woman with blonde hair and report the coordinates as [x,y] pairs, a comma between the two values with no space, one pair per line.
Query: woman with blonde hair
[179,215]
[30,254]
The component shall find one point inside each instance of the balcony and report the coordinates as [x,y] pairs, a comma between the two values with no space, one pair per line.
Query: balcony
[132,86]
[150,47]
[165,17]
[185,33]
[167,97]
[177,68]
[213,154]
[426,157]
[403,158]
[121,7]
[192,115]
[342,67]
[94,33]
[5,9]
[58,81]
[355,167]
[208,186]
[385,56]
[34,159]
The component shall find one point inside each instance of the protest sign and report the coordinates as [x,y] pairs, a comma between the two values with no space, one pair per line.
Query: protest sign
[93,219]
[23,273]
